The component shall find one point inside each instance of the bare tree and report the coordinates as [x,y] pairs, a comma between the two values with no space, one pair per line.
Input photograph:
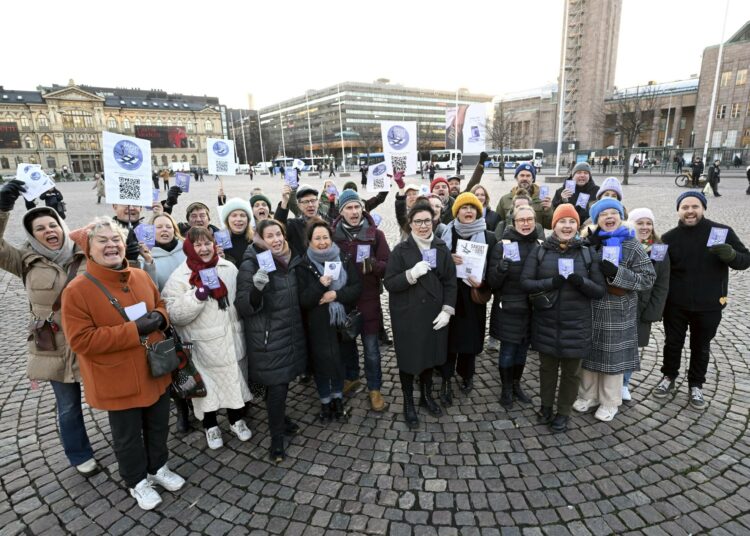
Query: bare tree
[500,134]
[633,116]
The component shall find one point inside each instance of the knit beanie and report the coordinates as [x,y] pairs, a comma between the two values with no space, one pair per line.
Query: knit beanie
[411,187]
[235,203]
[526,167]
[346,197]
[467,198]
[565,210]
[350,186]
[438,180]
[693,193]
[640,213]
[602,205]
[610,184]
[582,166]
[194,205]
[259,197]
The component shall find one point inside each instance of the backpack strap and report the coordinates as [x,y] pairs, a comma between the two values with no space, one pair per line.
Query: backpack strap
[586,257]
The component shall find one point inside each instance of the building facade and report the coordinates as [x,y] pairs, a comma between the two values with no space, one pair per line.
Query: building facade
[61,126]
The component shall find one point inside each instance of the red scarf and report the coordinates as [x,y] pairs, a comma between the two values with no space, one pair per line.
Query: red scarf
[196,264]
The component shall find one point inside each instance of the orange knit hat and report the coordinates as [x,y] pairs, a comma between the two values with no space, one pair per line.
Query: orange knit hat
[566,210]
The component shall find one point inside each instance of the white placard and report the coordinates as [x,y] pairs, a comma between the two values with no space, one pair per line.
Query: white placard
[475,122]
[220,157]
[400,145]
[36,181]
[333,269]
[127,170]
[378,179]
[473,255]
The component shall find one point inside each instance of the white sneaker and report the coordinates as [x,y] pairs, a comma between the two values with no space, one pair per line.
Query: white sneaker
[88,467]
[626,393]
[493,344]
[605,414]
[166,479]
[241,430]
[582,405]
[213,437]
[146,496]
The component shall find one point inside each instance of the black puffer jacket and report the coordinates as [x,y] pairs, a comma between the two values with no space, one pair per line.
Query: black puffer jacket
[512,321]
[564,330]
[589,188]
[276,348]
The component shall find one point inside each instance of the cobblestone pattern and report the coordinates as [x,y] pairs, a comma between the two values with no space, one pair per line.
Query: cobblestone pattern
[659,468]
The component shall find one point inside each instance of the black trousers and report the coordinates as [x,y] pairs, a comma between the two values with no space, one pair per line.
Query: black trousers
[714,186]
[703,326]
[234,415]
[139,437]
[464,364]
[276,407]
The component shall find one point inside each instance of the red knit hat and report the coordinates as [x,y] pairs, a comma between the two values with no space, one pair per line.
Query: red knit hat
[437,180]
[565,210]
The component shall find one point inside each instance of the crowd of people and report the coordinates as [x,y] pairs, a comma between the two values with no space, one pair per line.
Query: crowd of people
[294,292]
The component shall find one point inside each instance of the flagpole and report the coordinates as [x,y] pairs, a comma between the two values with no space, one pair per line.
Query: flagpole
[341,129]
[309,132]
[716,87]
[561,90]
[283,143]
[260,134]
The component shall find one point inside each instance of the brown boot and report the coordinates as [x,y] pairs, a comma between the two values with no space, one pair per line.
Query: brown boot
[376,401]
[353,386]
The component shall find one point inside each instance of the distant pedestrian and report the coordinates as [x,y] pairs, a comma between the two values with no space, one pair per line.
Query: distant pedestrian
[331,170]
[714,177]
[99,187]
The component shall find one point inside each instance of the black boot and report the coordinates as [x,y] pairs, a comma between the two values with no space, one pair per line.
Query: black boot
[467,385]
[276,452]
[506,397]
[560,423]
[182,425]
[446,392]
[290,427]
[517,390]
[426,401]
[410,412]
[337,408]
[545,415]
[325,412]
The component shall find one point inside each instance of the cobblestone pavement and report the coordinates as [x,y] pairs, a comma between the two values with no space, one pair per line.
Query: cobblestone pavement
[658,468]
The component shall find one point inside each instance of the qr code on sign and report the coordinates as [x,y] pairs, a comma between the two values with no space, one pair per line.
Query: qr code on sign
[222,166]
[398,162]
[130,188]
[378,183]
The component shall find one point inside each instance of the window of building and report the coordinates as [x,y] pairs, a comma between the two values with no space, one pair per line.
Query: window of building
[741,78]
[191,143]
[43,121]
[28,142]
[147,122]
[194,160]
[683,123]
[158,122]
[716,139]
[735,113]
[721,111]
[209,126]
[731,138]
[47,142]
[726,77]
[4,163]
[112,123]
[169,123]
[183,158]
[174,158]
[164,160]
[32,159]
[51,162]
[78,119]
[126,124]
[190,127]
[155,161]
[24,122]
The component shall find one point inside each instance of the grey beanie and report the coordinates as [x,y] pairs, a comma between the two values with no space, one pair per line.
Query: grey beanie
[582,166]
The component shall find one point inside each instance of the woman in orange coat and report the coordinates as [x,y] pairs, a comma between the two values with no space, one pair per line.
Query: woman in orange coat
[113,360]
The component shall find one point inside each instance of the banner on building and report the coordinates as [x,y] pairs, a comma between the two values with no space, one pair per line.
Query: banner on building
[221,157]
[163,137]
[378,179]
[127,170]
[9,138]
[471,124]
[400,146]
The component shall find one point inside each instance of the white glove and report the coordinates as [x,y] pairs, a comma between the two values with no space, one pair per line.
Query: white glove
[419,269]
[260,279]
[441,321]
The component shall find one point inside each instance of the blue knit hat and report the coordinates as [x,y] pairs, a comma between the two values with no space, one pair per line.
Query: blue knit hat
[693,193]
[604,204]
[348,196]
[526,167]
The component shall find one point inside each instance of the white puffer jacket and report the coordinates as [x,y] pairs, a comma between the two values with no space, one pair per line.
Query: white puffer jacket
[217,337]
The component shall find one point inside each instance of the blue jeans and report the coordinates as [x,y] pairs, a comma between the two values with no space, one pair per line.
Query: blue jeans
[73,435]
[328,387]
[371,348]
[626,378]
[512,354]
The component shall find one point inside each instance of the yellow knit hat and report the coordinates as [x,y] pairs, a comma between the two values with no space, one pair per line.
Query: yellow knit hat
[467,198]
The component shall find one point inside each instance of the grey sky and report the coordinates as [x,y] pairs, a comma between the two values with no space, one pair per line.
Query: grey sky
[278,49]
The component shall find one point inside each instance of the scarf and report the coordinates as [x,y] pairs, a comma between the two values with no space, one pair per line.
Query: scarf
[319,257]
[282,259]
[62,256]
[169,246]
[423,243]
[196,264]
[473,231]
[352,231]
[616,237]
[239,245]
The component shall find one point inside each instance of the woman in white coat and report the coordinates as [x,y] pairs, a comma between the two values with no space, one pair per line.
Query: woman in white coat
[200,300]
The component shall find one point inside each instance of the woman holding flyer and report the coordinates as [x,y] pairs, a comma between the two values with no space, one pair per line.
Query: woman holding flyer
[327,300]
[512,321]
[268,302]
[562,276]
[614,343]
[200,301]
[166,254]
[421,281]
[238,229]
[469,240]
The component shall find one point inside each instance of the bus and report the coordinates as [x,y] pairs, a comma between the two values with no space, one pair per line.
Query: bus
[445,158]
[513,157]
[369,159]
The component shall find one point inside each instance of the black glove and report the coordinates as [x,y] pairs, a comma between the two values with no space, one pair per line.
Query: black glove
[503,265]
[172,195]
[557,281]
[725,252]
[9,193]
[576,280]
[483,157]
[132,250]
[148,323]
[609,269]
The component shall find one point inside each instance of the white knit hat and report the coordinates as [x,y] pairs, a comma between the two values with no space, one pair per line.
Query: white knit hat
[639,213]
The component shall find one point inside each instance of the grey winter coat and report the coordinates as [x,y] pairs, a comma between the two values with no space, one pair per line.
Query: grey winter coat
[651,301]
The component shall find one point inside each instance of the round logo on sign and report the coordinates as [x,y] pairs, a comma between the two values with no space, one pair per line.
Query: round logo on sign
[398,137]
[36,176]
[379,170]
[221,148]
[128,155]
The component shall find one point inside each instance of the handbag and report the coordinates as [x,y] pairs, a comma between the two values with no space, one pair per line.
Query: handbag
[352,326]
[42,332]
[162,356]
[481,295]
[186,380]
[544,300]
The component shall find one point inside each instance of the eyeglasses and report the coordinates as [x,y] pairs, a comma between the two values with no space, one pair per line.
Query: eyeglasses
[307,202]
[524,220]
[421,223]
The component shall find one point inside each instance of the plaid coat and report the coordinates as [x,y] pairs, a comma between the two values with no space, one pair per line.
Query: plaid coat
[614,344]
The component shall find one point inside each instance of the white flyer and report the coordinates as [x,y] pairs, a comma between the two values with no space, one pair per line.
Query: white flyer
[220,157]
[36,181]
[127,170]
[473,255]
[400,145]
[333,269]
[377,178]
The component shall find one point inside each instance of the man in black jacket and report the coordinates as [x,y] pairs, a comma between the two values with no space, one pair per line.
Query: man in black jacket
[696,169]
[714,176]
[698,289]
[584,185]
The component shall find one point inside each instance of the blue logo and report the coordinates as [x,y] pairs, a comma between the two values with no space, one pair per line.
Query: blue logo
[36,176]
[128,155]
[398,137]
[378,170]
[221,148]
